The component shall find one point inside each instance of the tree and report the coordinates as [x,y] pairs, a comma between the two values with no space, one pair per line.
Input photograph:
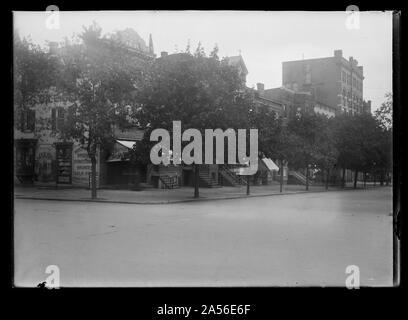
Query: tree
[358,140]
[326,152]
[35,71]
[275,141]
[201,92]
[384,114]
[305,130]
[103,80]
[348,143]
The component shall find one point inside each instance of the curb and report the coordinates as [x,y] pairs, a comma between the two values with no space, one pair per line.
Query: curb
[244,196]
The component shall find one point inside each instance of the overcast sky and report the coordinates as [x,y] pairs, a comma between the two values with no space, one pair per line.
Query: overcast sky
[265,39]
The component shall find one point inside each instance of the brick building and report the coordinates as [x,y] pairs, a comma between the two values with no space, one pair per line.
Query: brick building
[334,82]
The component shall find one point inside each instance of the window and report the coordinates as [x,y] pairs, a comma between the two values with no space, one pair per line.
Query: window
[60,118]
[27,121]
[57,118]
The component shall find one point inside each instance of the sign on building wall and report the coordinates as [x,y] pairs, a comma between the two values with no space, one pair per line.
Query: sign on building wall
[64,163]
[81,167]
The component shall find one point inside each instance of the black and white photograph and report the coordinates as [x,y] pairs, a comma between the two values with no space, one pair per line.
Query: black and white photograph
[204,149]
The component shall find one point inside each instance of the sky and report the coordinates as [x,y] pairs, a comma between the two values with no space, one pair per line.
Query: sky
[265,39]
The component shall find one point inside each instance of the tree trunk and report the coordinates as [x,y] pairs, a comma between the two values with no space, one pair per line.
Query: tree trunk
[307,178]
[365,179]
[343,179]
[355,178]
[375,182]
[93,176]
[327,178]
[247,188]
[381,179]
[281,177]
[196,181]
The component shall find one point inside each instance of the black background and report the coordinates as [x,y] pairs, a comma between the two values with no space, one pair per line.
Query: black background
[142,303]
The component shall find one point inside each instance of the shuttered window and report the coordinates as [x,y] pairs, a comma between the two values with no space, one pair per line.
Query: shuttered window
[57,118]
[27,120]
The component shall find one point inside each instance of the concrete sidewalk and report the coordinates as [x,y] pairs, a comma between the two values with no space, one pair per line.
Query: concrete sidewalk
[160,196]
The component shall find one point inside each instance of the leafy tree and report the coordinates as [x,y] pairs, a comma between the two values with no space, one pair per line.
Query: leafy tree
[326,152]
[275,141]
[103,81]
[201,92]
[359,142]
[384,113]
[384,139]
[35,71]
[347,141]
[305,131]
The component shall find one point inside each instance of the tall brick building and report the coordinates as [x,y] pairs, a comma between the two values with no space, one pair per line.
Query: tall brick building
[333,81]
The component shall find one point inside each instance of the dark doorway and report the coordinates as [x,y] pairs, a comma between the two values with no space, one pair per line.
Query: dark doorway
[25,160]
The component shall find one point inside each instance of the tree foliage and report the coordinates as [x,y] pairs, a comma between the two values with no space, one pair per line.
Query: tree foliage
[201,92]
[384,113]
[34,71]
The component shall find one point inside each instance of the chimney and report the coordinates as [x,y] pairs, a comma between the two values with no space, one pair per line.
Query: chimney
[53,47]
[338,53]
[163,54]
[260,87]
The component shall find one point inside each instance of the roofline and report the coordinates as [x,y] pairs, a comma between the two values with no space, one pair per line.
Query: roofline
[289,90]
[242,62]
[271,100]
[308,59]
[344,61]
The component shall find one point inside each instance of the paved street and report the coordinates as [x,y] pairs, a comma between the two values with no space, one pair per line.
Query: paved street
[295,239]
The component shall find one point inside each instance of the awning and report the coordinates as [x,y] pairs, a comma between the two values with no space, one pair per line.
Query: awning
[127,143]
[120,150]
[270,164]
